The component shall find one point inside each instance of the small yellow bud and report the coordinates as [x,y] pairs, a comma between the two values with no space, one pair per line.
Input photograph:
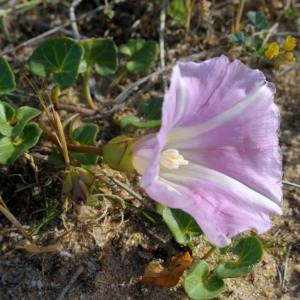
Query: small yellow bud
[289,57]
[290,43]
[117,153]
[272,51]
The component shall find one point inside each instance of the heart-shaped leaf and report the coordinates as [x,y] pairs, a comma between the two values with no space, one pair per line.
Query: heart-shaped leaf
[7,79]
[24,115]
[85,135]
[142,54]
[57,59]
[249,250]
[182,225]
[7,113]
[102,53]
[199,285]
[152,108]
[10,150]
[258,19]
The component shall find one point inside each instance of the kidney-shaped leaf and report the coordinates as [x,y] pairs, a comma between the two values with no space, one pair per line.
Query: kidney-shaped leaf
[7,113]
[141,54]
[258,19]
[102,53]
[57,59]
[85,135]
[199,285]
[7,79]
[11,150]
[182,225]
[249,250]
[24,115]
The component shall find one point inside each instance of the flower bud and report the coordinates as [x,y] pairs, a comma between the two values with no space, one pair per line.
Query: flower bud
[117,153]
[290,43]
[272,51]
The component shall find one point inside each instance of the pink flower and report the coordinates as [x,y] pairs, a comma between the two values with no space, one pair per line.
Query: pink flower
[216,155]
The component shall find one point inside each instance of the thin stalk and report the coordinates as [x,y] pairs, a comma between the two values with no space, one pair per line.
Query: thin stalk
[239,15]
[72,147]
[13,220]
[61,137]
[86,89]
[119,75]
[55,94]
[209,253]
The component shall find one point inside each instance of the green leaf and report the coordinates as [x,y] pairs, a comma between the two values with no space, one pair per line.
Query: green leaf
[258,19]
[11,150]
[152,108]
[178,10]
[7,113]
[240,38]
[182,225]
[102,53]
[199,285]
[289,14]
[85,135]
[7,78]
[142,54]
[57,59]
[249,250]
[24,115]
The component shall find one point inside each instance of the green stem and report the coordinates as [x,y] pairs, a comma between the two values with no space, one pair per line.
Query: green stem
[119,75]
[209,253]
[86,88]
[55,94]
[147,124]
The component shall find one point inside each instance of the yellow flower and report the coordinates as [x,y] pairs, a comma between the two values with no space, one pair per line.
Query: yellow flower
[289,57]
[272,51]
[290,43]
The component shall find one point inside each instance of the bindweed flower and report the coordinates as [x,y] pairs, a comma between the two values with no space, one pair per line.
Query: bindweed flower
[216,155]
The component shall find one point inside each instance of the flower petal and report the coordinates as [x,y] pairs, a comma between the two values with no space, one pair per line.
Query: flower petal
[222,206]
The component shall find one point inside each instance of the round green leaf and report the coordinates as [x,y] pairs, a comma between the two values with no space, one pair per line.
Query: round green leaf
[199,285]
[24,115]
[11,150]
[182,225]
[142,54]
[57,59]
[250,251]
[7,79]
[7,113]
[102,53]
[152,109]
[85,135]
[258,19]
[132,47]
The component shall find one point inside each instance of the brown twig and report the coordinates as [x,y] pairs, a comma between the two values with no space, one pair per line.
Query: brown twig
[72,108]
[77,148]
[73,20]
[13,220]
[239,15]
[51,31]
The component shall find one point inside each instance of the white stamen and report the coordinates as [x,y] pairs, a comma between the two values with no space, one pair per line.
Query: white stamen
[172,159]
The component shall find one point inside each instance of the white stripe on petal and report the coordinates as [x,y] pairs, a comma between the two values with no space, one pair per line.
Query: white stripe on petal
[181,101]
[193,172]
[178,135]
